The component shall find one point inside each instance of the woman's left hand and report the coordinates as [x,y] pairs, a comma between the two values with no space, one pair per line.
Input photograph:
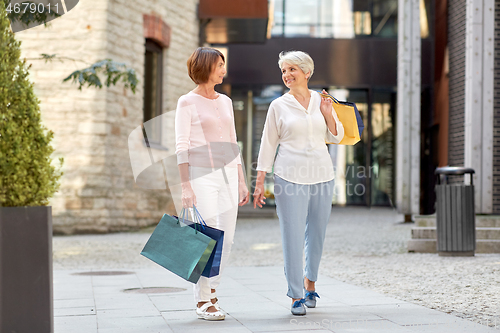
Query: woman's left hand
[326,106]
[244,194]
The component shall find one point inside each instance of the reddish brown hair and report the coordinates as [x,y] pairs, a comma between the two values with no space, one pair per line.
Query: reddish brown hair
[201,63]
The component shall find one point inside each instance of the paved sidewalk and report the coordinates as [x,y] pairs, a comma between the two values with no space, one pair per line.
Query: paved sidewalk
[253,298]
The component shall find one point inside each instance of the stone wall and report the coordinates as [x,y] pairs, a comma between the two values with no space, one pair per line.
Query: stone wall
[456,47]
[496,118]
[98,192]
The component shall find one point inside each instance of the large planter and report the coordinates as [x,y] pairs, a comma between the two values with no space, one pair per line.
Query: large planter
[26,304]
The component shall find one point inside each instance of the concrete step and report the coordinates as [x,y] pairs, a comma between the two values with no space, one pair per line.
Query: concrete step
[430,245]
[422,245]
[430,233]
[482,221]
[488,221]
[423,233]
[425,220]
[487,233]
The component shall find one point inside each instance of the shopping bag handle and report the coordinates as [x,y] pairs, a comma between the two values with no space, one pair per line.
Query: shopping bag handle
[202,221]
[328,96]
[183,215]
[199,218]
[196,217]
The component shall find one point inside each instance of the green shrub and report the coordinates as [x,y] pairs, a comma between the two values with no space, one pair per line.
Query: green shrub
[27,177]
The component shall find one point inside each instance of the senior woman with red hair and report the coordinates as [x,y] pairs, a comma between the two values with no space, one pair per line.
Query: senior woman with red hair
[209,164]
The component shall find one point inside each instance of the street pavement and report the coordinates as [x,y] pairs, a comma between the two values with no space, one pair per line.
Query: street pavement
[101,284]
[105,304]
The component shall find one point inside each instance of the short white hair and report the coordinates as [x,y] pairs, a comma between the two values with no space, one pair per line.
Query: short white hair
[299,59]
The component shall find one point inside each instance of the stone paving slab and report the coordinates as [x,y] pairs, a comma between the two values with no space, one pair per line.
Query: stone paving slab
[253,298]
[363,247]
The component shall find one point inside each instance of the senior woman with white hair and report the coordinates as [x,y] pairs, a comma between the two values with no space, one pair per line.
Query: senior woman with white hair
[300,122]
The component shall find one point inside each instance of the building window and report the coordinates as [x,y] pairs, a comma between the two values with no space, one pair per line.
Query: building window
[335,18]
[425,18]
[153,77]
[385,17]
[362,23]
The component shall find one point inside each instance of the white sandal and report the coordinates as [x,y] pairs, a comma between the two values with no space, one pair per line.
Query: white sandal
[216,304]
[204,314]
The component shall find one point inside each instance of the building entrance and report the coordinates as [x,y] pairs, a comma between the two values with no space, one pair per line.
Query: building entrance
[364,172]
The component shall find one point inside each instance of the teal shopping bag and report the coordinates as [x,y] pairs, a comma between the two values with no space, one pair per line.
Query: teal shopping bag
[182,250]
[213,266]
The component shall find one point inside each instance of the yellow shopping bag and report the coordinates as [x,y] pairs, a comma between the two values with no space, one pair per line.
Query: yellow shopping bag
[351,120]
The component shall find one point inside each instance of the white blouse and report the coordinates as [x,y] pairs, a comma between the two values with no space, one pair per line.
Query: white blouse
[303,156]
[205,134]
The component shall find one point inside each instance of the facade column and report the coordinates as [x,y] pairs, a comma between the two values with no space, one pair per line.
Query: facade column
[479,86]
[408,108]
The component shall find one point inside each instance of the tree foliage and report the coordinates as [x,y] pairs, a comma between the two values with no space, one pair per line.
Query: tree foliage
[27,176]
[27,16]
[113,70]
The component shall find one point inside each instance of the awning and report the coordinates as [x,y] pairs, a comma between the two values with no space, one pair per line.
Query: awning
[233,21]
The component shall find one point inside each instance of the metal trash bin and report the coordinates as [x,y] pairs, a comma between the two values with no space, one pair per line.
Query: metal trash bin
[455,215]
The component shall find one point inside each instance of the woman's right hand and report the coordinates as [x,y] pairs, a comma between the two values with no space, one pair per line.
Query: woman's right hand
[258,196]
[188,196]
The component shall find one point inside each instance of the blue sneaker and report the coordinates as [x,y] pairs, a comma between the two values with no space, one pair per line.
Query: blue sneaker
[310,299]
[298,308]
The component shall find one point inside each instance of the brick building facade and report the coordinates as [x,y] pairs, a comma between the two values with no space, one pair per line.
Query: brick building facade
[98,192]
[467,77]
[496,121]
[456,52]
[473,98]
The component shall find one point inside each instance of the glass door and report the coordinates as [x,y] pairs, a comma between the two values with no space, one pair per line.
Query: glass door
[382,148]
[364,173]
[350,162]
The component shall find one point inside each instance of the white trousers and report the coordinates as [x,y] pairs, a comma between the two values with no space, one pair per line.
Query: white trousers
[217,202]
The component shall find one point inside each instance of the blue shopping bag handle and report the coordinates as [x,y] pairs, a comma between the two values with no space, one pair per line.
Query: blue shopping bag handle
[202,221]
[199,218]
[196,217]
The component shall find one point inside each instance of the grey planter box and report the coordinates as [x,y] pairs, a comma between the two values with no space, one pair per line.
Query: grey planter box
[26,299]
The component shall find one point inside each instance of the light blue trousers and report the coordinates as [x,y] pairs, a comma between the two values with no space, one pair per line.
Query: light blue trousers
[303,212]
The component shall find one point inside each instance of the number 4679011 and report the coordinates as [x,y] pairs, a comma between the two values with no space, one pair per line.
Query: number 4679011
[31,7]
